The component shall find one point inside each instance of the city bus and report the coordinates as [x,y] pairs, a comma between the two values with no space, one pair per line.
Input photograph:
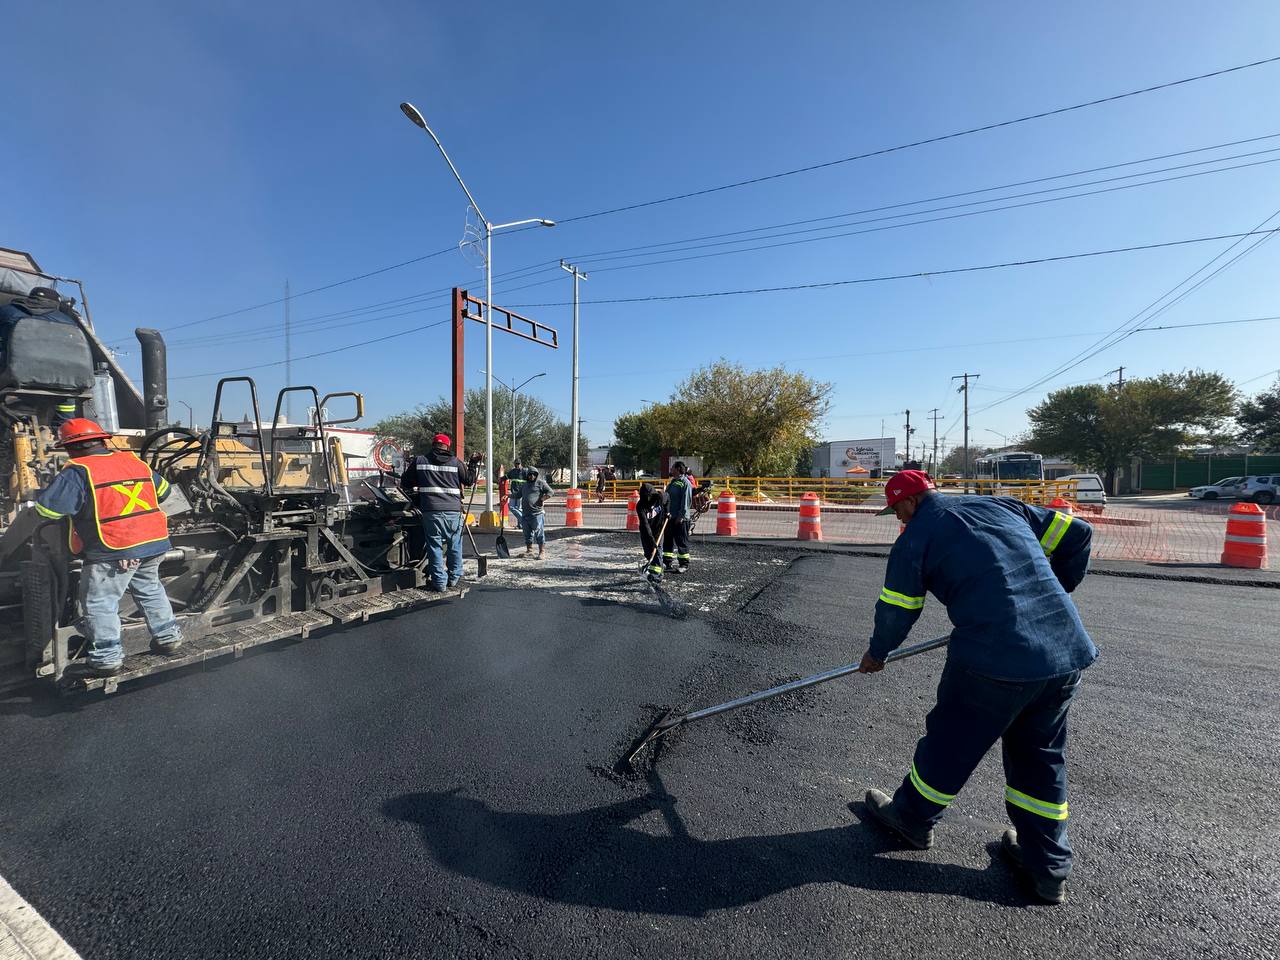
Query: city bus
[1015,465]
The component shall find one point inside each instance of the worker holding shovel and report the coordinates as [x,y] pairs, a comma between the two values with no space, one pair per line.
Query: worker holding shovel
[651,511]
[1003,570]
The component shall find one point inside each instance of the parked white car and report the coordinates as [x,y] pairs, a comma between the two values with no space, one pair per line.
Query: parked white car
[1230,487]
[1261,489]
[1089,489]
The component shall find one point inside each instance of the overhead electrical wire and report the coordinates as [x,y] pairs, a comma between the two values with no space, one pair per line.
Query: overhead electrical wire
[768,177]
[920,274]
[1135,322]
[882,151]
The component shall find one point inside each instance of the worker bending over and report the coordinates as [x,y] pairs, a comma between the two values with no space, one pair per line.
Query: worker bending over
[675,542]
[1003,570]
[113,500]
[533,493]
[651,511]
[434,483]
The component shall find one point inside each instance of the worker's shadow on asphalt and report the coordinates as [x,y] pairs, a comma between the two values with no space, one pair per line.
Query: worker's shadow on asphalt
[595,858]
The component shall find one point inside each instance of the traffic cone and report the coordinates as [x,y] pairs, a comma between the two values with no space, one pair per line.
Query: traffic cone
[810,518]
[1062,506]
[727,515]
[1246,541]
[633,520]
[573,508]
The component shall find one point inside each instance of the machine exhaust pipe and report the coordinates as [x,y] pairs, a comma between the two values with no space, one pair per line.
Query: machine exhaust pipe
[155,377]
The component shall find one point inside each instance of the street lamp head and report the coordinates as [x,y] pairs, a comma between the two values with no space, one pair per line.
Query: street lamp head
[410,111]
[546,223]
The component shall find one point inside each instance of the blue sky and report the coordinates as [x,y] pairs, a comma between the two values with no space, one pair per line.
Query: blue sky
[185,159]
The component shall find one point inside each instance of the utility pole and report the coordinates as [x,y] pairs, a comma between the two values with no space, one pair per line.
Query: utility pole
[964,388]
[1119,372]
[933,415]
[908,428]
[573,406]
[288,360]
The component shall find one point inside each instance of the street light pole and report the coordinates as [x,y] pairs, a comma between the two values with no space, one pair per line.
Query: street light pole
[489,520]
[514,391]
[191,418]
[573,406]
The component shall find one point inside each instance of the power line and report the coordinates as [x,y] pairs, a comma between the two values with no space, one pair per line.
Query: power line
[1057,111]
[625,253]
[902,276]
[327,286]
[1135,322]
[544,265]
[913,223]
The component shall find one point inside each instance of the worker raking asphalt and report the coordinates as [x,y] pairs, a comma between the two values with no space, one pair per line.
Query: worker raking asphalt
[434,784]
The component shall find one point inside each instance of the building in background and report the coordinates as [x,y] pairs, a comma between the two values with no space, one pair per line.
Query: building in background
[854,458]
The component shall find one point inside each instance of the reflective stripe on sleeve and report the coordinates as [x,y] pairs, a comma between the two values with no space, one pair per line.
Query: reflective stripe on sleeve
[162,487]
[1053,536]
[47,513]
[926,791]
[1043,808]
[66,408]
[901,599]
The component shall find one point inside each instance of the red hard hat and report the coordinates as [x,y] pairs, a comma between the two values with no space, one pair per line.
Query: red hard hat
[903,484]
[443,438]
[78,430]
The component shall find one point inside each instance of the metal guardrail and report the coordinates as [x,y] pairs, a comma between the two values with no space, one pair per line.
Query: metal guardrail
[845,491]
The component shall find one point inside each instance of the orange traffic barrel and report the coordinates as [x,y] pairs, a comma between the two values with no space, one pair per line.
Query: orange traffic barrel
[810,518]
[727,515]
[1246,541]
[1062,506]
[573,508]
[633,521]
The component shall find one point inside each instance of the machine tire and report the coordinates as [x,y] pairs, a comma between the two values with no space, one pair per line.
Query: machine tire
[38,617]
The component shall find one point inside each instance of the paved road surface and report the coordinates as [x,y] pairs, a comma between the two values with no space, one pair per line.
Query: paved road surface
[437,786]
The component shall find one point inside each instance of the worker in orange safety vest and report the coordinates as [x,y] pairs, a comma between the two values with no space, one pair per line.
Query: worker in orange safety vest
[112,500]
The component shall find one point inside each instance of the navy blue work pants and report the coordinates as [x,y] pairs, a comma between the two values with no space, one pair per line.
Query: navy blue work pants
[1030,718]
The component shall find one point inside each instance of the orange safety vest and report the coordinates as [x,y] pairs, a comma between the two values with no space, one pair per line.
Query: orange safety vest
[126,508]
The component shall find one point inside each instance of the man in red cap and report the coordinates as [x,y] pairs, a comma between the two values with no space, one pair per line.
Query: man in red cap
[435,483]
[1003,569]
[113,500]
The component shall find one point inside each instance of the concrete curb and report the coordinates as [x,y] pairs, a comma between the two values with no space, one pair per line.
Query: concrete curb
[24,934]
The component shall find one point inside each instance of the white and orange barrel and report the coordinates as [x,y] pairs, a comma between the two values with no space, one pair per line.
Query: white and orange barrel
[573,508]
[810,518]
[1246,541]
[1061,505]
[727,515]
[633,519]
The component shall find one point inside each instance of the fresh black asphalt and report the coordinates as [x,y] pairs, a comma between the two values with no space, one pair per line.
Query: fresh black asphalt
[439,785]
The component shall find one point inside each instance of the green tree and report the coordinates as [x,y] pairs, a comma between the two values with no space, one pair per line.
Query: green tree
[1106,426]
[955,462]
[1259,419]
[536,426]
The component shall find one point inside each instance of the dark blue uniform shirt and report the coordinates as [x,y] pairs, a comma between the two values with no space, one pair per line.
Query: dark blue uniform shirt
[680,497]
[1003,569]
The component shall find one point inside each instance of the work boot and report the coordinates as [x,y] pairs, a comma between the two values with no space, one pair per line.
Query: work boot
[880,806]
[453,583]
[437,587]
[528,550]
[1046,889]
[540,556]
[166,649]
[83,670]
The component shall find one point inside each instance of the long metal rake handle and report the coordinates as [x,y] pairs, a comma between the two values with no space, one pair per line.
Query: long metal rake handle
[817,678]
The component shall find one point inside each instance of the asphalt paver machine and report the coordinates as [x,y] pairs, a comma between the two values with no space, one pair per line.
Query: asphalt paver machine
[268,541]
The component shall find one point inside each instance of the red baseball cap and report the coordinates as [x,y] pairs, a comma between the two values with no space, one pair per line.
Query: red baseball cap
[442,438]
[903,484]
